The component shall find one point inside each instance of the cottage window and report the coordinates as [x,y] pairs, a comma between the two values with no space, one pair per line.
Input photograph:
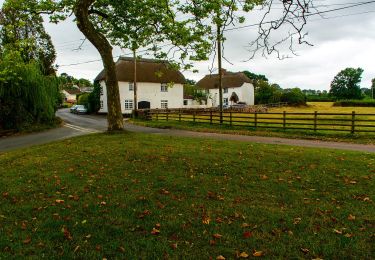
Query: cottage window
[185,102]
[131,86]
[225,101]
[164,87]
[128,104]
[101,90]
[225,90]
[164,104]
[101,104]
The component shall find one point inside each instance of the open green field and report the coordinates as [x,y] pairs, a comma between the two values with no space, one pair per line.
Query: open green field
[326,107]
[137,196]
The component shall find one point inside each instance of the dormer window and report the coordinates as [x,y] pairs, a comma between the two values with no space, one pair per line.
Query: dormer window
[225,90]
[164,87]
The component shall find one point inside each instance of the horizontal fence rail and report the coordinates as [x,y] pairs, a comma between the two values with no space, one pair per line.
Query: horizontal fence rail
[343,122]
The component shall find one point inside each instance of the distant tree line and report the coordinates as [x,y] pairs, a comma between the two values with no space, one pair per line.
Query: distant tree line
[70,82]
[267,93]
[345,86]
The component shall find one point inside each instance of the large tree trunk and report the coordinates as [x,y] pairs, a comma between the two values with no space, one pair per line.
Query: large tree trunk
[81,11]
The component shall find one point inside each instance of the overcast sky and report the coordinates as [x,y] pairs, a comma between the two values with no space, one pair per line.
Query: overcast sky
[345,39]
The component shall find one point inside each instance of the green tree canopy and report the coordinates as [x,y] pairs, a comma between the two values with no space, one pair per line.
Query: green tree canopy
[24,31]
[346,84]
[293,96]
[267,93]
[255,77]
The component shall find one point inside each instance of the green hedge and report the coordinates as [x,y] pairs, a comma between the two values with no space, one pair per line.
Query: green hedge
[355,103]
[316,98]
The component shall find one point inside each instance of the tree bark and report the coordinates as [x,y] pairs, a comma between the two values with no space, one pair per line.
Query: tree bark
[114,117]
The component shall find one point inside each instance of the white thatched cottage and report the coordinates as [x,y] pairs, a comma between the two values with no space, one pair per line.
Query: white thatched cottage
[237,87]
[158,85]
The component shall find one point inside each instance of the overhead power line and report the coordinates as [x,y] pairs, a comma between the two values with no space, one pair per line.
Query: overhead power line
[252,25]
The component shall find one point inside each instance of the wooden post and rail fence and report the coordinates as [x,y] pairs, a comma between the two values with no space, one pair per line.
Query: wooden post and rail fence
[316,121]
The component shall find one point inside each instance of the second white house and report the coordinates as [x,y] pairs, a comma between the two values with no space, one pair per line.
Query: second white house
[158,85]
[237,87]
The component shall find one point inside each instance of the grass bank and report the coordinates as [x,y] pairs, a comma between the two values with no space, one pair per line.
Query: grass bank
[245,128]
[34,128]
[136,196]
[237,130]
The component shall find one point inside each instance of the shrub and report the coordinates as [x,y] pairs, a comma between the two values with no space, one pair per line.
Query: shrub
[294,97]
[83,99]
[94,99]
[319,98]
[26,96]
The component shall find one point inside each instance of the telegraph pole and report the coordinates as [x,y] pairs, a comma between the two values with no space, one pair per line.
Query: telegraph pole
[219,56]
[135,84]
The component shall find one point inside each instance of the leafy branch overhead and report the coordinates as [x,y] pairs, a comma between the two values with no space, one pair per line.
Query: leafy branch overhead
[24,31]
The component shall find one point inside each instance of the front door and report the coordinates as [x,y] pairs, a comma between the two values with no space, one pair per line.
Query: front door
[144,105]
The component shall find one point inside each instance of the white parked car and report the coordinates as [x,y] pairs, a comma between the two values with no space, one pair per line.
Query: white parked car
[80,109]
[73,108]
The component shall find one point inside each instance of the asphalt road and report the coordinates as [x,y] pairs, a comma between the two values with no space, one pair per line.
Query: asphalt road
[76,125]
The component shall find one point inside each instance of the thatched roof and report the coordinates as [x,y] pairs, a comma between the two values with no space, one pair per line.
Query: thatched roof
[230,80]
[148,70]
[73,91]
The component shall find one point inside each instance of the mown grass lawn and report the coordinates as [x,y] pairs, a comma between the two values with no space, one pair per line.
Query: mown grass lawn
[136,196]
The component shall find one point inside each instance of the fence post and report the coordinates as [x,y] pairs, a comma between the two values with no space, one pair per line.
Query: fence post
[353,122]
[157,115]
[284,120]
[255,119]
[194,116]
[315,120]
[166,111]
[230,118]
[221,117]
[179,116]
[211,117]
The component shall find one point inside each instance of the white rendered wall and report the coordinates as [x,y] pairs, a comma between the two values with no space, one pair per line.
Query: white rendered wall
[69,96]
[245,94]
[150,92]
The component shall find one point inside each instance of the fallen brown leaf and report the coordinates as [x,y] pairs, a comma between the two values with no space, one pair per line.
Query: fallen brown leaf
[258,253]
[67,234]
[243,255]
[247,234]
[206,220]
[27,241]
[155,231]
[337,231]
[217,236]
